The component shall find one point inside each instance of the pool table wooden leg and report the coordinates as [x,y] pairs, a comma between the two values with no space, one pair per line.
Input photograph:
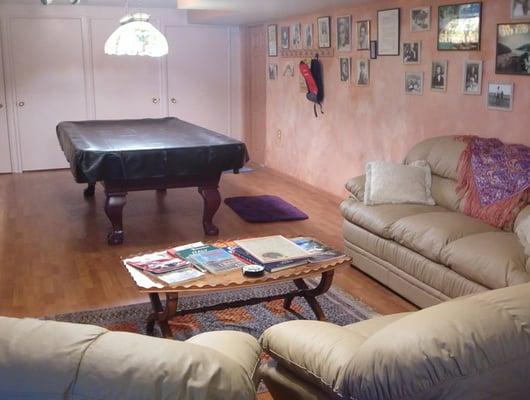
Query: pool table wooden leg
[114,210]
[212,201]
[90,190]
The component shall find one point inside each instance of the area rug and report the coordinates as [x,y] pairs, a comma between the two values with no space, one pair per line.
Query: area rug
[339,307]
[265,208]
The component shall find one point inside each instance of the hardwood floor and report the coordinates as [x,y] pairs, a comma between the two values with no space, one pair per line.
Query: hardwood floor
[54,256]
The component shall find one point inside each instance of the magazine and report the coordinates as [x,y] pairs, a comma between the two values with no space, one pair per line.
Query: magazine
[216,261]
[157,263]
[179,276]
[319,252]
[269,267]
[271,249]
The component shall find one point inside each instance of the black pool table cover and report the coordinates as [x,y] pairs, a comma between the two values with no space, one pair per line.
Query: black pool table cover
[146,148]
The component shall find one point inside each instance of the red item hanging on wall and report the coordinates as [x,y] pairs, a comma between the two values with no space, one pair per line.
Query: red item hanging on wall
[313,79]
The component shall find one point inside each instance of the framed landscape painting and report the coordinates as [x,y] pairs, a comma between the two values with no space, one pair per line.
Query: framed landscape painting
[459,26]
[513,49]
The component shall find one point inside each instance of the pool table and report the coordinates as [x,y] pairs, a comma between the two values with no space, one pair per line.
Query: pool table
[149,154]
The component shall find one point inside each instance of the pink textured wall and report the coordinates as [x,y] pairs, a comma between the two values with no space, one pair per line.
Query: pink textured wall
[381,121]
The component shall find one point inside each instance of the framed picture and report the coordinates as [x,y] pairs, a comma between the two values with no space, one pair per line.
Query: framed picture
[273,72]
[414,83]
[388,32]
[500,96]
[363,35]
[513,49]
[344,33]
[288,70]
[411,52]
[284,40]
[459,26]
[324,32]
[472,80]
[520,9]
[373,49]
[296,36]
[308,36]
[439,76]
[272,39]
[363,72]
[345,69]
[420,19]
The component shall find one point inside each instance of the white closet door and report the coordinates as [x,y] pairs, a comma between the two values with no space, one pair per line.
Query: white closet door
[198,68]
[47,56]
[5,155]
[125,86]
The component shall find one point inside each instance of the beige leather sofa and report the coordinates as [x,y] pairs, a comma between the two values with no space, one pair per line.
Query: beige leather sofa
[470,348]
[430,254]
[45,360]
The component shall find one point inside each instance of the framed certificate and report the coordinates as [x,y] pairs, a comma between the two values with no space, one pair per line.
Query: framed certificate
[388,32]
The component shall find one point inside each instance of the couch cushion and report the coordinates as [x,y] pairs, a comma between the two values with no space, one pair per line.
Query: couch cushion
[319,353]
[379,219]
[493,259]
[370,326]
[429,233]
[442,153]
[444,193]
[356,187]
[39,359]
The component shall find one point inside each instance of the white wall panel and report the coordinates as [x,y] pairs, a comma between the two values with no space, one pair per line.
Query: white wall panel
[198,66]
[5,154]
[125,87]
[49,84]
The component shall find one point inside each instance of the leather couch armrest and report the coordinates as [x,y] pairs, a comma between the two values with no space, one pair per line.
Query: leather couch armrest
[355,186]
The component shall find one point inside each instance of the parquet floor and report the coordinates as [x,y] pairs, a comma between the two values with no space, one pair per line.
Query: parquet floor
[54,257]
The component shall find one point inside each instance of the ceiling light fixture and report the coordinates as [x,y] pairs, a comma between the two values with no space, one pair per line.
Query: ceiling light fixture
[136,36]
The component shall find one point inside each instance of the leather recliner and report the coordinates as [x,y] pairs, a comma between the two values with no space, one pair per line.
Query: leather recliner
[470,348]
[49,360]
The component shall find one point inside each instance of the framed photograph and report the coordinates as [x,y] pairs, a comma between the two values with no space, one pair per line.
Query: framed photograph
[324,32]
[345,69]
[500,96]
[414,83]
[363,35]
[296,36]
[420,19]
[459,26]
[520,9]
[272,39]
[439,76]
[513,49]
[308,36]
[472,80]
[273,72]
[362,77]
[288,70]
[411,52]
[284,40]
[388,32]
[344,33]
[373,49]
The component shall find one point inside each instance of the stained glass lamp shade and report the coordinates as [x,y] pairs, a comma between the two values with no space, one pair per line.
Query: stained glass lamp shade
[136,36]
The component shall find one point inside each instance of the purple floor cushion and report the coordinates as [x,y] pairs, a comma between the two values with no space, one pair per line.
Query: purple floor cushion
[264,209]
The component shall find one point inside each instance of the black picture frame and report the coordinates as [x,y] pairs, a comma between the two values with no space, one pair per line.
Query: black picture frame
[515,61]
[379,32]
[453,46]
[328,22]
[274,52]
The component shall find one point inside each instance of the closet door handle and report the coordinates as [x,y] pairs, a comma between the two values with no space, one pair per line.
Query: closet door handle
[173,100]
[1,106]
[21,104]
[156,100]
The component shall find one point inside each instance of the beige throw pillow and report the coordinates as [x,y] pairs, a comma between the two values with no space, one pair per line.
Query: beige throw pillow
[388,182]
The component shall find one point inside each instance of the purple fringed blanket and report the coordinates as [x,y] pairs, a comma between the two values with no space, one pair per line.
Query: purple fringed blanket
[494,177]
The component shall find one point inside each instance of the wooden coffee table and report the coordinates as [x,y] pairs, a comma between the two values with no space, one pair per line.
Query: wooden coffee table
[236,280]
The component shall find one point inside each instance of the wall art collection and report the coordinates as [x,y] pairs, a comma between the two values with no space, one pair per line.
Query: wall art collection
[459,29]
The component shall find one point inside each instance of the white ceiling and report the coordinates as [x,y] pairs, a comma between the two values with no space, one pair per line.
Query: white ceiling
[229,12]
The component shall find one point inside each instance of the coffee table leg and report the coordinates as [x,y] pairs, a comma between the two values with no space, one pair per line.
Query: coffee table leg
[212,201]
[310,294]
[162,315]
